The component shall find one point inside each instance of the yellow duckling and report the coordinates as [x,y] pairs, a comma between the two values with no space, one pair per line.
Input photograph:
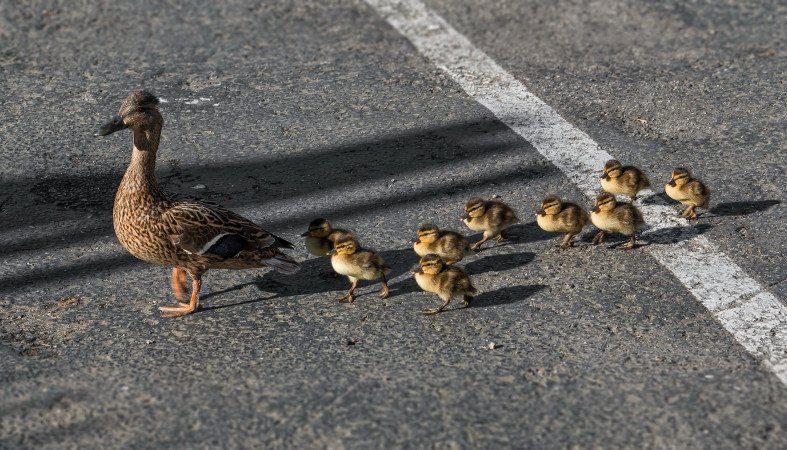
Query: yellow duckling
[448,282]
[691,192]
[449,245]
[562,217]
[490,216]
[320,237]
[356,263]
[610,216]
[626,180]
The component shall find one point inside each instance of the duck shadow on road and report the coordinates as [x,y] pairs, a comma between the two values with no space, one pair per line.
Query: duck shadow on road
[498,263]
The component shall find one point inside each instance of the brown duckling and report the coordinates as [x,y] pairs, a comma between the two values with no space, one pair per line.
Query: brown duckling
[320,237]
[191,236]
[611,216]
[356,263]
[490,216]
[689,191]
[449,245]
[448,282]
[563,217]
[620,179]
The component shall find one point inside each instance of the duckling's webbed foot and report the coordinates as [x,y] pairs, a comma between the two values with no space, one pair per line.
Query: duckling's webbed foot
[467,299]
[599,238]
[431,311]
[384,290]
[566,242]
[690,213]
[477,246]
[630,244]
[348,298]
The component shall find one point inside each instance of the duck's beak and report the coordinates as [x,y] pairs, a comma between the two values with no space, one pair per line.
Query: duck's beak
[541,212]
[331,252]
[604,176]
[305,234]
[594,208]
[416,272]
[417,241]
[116,124]
[671,182]
[465,216]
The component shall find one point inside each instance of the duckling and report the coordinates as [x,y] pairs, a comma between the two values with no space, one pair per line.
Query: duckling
[610,216]
[449,245]
[689,191]
[626,180]
[448,282]
[191,236]
[349,259]
[490,216]
[563,217]
[320,237]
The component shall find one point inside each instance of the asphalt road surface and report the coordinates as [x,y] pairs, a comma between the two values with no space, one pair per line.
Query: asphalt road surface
[294,110]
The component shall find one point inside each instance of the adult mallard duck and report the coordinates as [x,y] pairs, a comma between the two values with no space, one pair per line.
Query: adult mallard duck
[192,236]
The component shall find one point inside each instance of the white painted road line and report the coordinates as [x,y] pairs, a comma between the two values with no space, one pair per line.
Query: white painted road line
[754,316]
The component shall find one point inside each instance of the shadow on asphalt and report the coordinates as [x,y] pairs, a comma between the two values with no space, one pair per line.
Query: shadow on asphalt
[742,208]
[497,263]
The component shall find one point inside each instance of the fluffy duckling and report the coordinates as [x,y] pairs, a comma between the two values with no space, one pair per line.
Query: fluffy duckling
[320,237]
[349,259]
[563,217]
[620,179]
[448,282]
[610,216]
[490,216]
[689,191]
[449,245]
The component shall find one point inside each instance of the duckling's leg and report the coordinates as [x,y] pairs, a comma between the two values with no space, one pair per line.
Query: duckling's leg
[467,299]
[349,297]
[566,242]
[179,283]
[478,244]
[384,292]
[689,213]
[185,308]
[430,311]
[599,238]
[503,236]
[630,244]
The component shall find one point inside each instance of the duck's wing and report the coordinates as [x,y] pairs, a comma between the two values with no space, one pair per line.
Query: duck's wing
[205,228]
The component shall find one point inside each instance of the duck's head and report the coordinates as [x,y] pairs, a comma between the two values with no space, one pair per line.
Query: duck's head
[427,233]
[475,207]
[430,264]
[680,176]
[612,169]
[138,111]
[344,246]
[604,202]
[550,206]
[319,228]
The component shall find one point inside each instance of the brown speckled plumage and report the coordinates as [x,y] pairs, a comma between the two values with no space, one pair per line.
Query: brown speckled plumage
[620,179]
[563,217]
[446,281]
[192,236]
[492,217]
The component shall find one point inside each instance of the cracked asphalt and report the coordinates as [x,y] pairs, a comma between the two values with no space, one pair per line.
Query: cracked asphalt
[287,111]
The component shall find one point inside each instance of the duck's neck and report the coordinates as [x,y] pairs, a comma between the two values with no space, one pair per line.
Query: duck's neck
[140,175]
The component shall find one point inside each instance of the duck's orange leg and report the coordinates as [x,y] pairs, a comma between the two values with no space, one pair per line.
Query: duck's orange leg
[185,308]
[179,283]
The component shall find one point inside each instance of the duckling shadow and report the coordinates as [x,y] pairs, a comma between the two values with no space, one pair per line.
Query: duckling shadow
[660,198]
[506,295]
[497,263]
[316,277]
[742,208]
[673,235]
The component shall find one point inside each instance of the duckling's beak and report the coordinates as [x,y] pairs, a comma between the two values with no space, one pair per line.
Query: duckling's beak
[541,212]
[594,209]
[604,176]
[416,272]
[671,182]
[417,241]
[305,234]
[331,252]
[465,216]
[116,124]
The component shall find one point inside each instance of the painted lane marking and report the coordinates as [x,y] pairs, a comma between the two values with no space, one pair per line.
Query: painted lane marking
[754,316]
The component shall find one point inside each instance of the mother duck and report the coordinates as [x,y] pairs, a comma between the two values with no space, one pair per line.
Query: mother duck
[192,236]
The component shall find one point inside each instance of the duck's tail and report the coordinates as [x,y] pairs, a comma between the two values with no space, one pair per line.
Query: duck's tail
[282,263]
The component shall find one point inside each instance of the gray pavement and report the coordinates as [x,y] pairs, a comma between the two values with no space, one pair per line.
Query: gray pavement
[285,112]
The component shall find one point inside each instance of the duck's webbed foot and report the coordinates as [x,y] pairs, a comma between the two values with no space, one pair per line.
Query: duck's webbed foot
[346,299]
[384,290]
[630,244]
[432,311]
[566,242]
[184,308]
